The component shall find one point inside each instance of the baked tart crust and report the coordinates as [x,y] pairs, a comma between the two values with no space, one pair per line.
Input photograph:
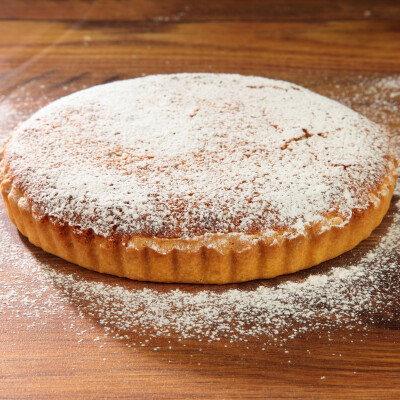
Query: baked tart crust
[163,260]
[233,248]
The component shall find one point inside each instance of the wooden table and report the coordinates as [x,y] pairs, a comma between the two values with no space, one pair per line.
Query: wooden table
[49,49]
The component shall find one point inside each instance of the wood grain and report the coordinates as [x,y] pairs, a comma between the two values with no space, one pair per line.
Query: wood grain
[181,10]
[54,48]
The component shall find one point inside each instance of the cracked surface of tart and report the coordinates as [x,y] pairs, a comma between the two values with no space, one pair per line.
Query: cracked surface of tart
[209,178]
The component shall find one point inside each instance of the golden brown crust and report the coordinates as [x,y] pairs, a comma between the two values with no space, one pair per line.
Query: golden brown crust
[208,259]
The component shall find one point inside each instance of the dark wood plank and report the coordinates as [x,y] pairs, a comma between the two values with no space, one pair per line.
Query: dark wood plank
[273,49]
[181,10]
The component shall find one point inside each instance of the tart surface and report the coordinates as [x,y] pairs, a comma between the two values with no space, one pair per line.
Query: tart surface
[208,178]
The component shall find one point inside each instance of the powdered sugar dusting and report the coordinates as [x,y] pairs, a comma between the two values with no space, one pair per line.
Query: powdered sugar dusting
[375,97]
[38,289]
[188,154]
[348,297]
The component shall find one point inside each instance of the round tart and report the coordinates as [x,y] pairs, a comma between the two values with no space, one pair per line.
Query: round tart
[201,178]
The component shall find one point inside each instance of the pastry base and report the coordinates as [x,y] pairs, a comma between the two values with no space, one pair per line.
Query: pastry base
[211,259]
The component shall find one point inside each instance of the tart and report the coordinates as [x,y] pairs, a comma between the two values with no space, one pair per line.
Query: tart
[197,178]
